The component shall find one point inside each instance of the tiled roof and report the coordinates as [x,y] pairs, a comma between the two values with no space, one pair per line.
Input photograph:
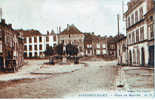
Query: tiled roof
[92,38]
[71,30]
[116,38]
[30,32]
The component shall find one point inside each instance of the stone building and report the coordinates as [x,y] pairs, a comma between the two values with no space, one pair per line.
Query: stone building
[149,18]
[137,32]
[11,58]
[72,35]
[95,45]
[122,51]
[36,43]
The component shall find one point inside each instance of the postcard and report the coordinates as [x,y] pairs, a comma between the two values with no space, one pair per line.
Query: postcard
[77,49]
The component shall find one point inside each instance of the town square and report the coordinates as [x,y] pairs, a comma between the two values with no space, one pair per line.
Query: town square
[71,60]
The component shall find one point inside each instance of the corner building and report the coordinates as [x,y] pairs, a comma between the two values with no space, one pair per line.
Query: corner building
[137,32]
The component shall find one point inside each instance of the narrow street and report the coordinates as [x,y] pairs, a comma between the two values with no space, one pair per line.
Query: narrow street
[95,75]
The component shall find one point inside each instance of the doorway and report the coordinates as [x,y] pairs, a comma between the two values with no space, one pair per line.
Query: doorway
[130,58]
[151,56]
[143,56]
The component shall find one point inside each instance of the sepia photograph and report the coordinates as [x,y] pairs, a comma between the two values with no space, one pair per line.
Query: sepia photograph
[77,49]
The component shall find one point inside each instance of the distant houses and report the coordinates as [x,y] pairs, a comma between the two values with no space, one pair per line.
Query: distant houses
[112,47]
[36,43]
[72,35]
[95,45]
[88,44]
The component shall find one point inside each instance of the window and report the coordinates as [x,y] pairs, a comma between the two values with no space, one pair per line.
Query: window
[47,46]
[35,54]
[30,47]
[128,21]
[151,31]
[25,54]
[142,33]
[133,37]
[137,35]
[151,18]
[30,40]
[35,46]
[30,54]
[40,47]
[35,39]
[141,13]
[134,58]
[136,16]
[129,38]
[47,39]
[25,48]
[132,18]
[40,39]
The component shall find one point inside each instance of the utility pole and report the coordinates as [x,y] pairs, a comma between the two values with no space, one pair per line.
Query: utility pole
[118,18]
[123,11]
[0,14]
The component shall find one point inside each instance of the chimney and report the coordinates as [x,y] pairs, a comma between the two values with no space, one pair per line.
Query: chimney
[10,25]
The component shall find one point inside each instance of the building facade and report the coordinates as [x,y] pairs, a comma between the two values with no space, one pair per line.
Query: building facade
[112,47]
[72,35]
[12,50]
[137,32]
[95,45]
[36,43]
[149,18]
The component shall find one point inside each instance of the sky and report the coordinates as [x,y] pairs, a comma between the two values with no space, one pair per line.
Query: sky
[98,16]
